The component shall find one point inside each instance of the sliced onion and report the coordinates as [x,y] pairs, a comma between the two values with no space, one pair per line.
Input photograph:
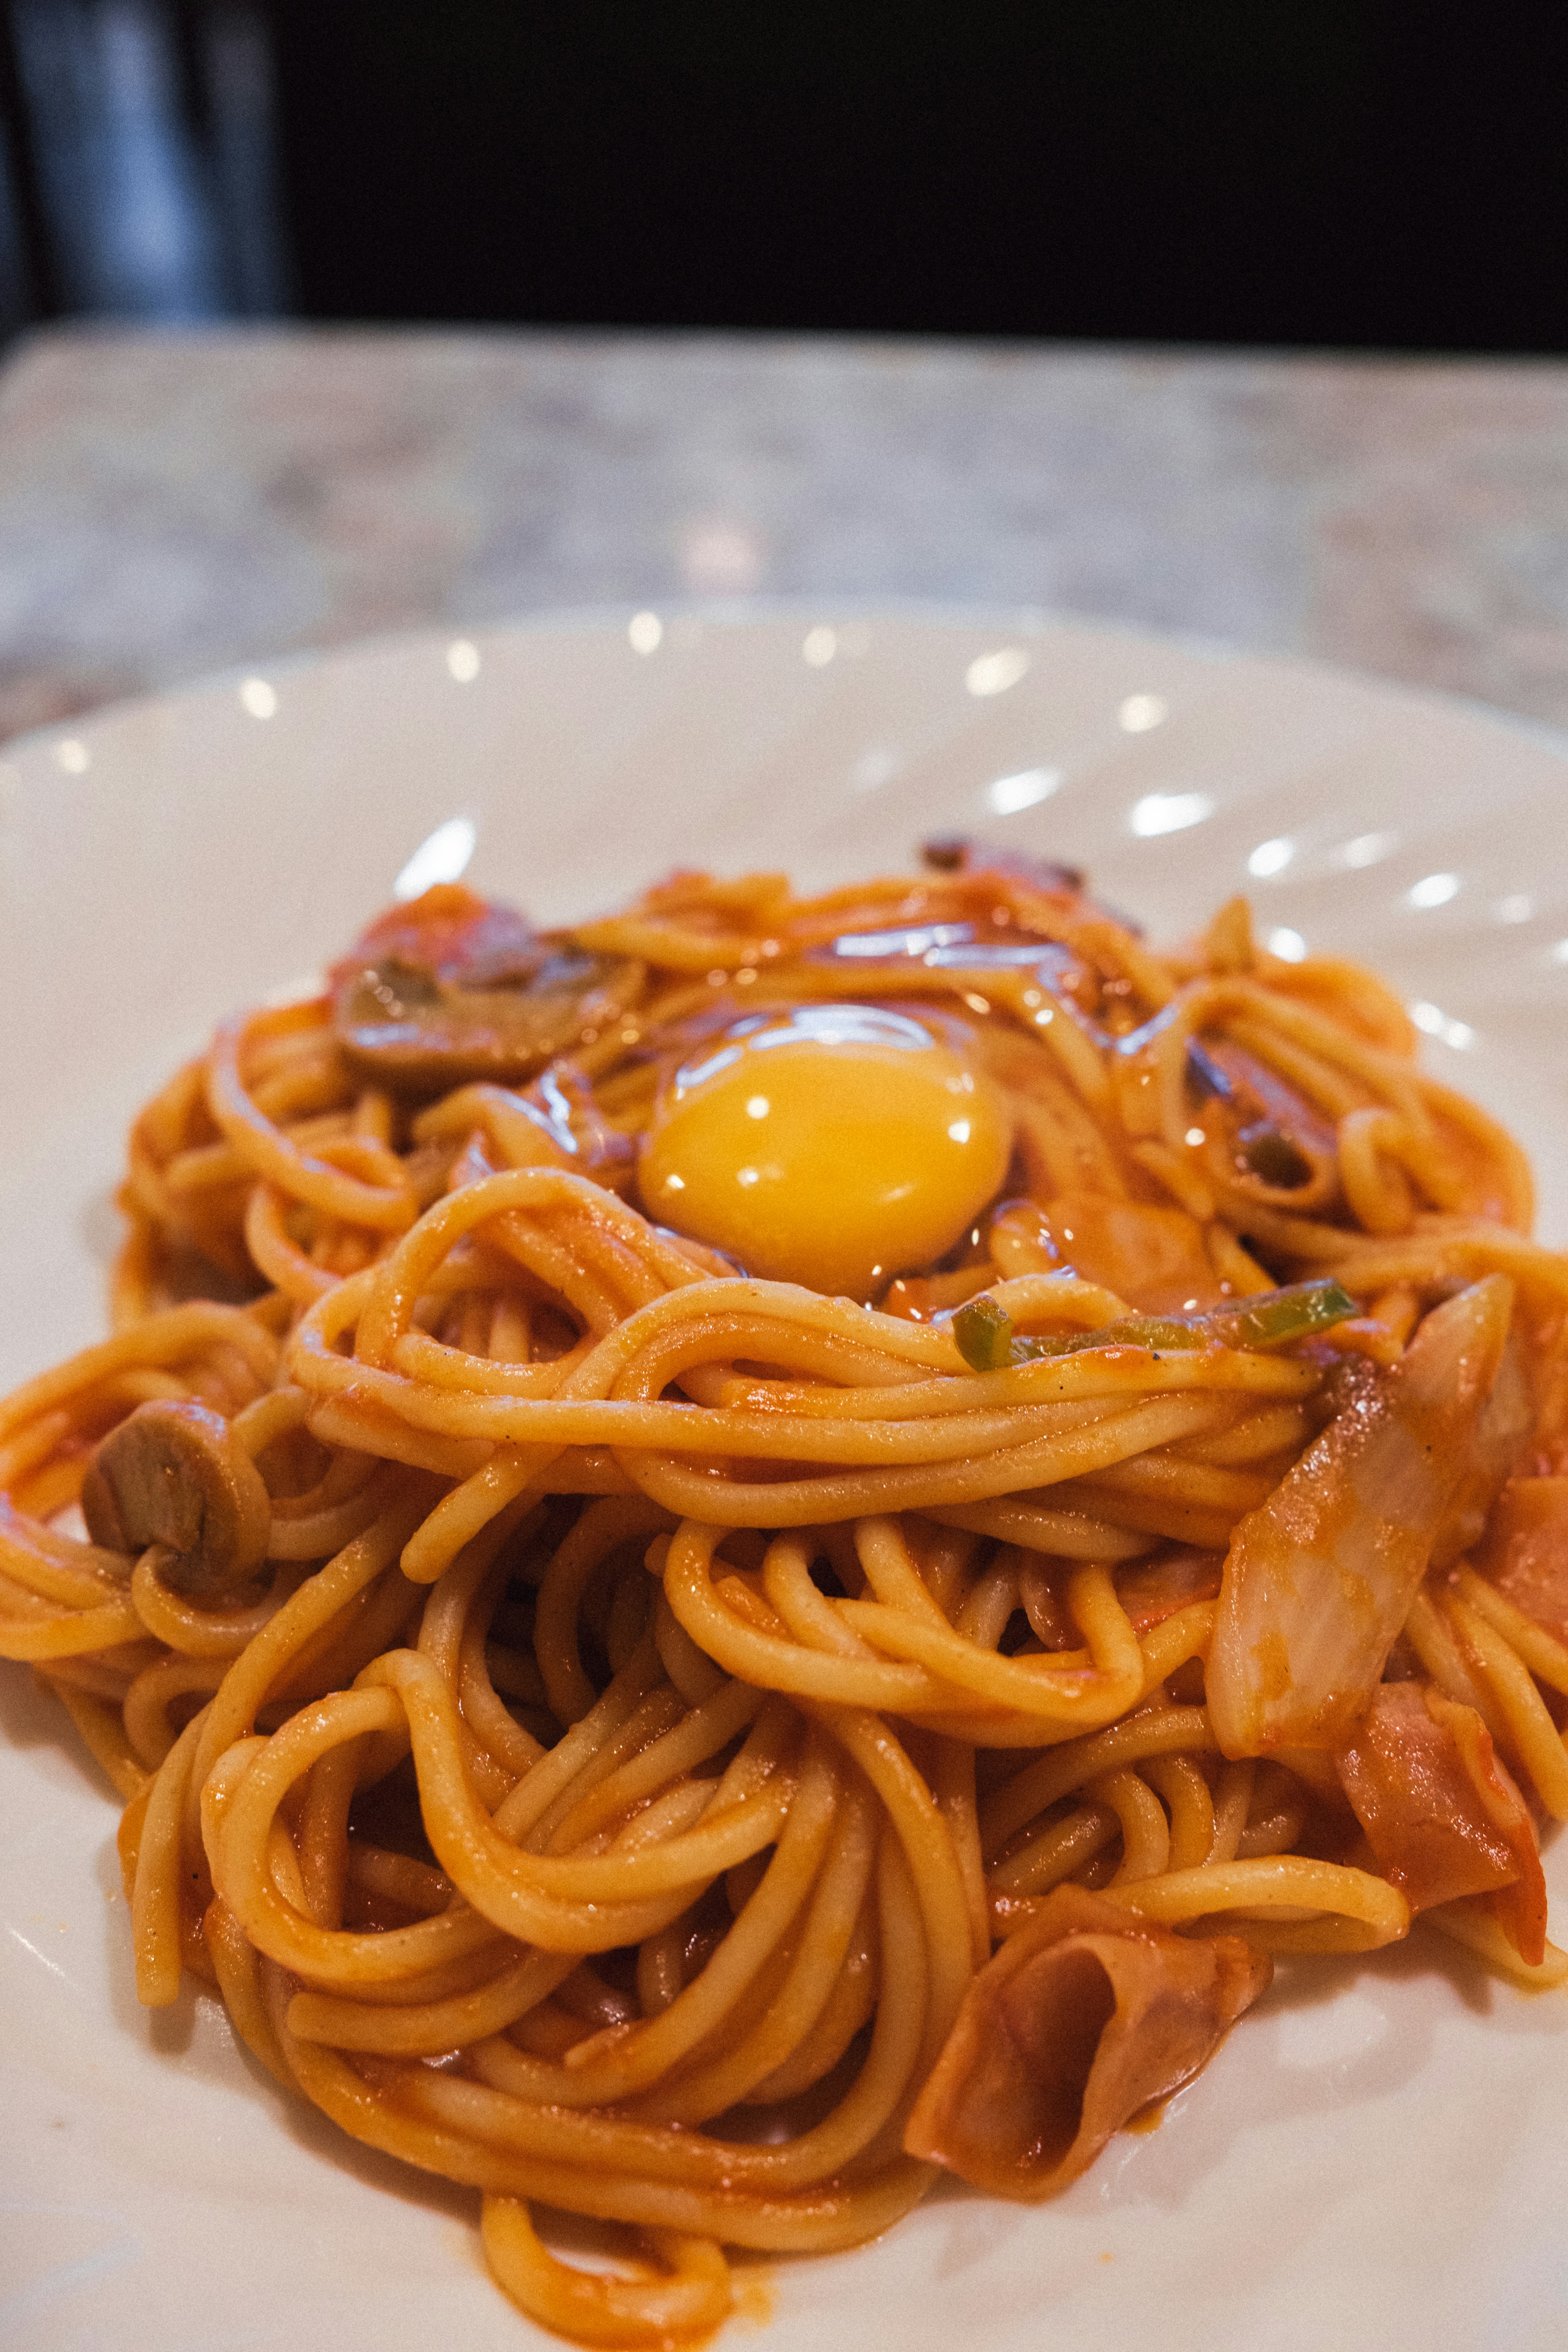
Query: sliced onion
[1320,1578]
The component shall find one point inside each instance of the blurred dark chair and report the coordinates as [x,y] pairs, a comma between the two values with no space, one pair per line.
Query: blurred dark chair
[138,172]
[1285,172]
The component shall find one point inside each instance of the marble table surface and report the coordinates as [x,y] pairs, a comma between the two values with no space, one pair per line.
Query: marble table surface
[176,502]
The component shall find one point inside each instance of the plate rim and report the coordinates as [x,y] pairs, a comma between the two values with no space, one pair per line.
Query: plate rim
[607,618]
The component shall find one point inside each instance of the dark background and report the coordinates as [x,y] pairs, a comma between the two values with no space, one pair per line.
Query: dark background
[1286,172]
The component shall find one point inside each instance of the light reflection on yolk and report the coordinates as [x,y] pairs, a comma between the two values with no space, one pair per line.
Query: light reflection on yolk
[833,1145]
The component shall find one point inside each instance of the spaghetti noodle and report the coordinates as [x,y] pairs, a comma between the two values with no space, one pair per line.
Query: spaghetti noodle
[775,1543]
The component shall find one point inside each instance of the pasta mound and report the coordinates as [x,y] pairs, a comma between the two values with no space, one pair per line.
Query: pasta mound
[703,1751]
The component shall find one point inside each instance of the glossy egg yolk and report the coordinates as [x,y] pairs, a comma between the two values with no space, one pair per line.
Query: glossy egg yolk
[833,1145]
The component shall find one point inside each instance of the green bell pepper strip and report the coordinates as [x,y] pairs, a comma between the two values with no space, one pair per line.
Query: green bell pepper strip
[988,1343]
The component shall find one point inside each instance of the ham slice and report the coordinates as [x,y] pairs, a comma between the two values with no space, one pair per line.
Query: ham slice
[1152,1591]
[1441,1815]
[1525,1552]
[1152,1258]
[1149,1591]
[1085,2015]
[1320,1578]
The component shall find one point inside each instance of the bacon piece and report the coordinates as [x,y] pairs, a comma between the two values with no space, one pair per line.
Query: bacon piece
[1441,1815]
[1085,2015]
[1525,1551]
[1320,1578]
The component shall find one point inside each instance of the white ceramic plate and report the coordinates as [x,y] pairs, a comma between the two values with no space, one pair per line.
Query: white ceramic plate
[1378,2158]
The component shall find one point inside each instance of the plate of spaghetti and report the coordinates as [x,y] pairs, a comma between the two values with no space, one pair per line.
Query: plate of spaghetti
[783,1499]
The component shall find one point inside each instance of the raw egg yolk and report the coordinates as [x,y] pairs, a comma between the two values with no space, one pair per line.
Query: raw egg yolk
[834,1145]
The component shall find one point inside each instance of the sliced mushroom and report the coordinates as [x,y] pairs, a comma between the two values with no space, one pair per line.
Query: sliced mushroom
[451,989]
[449,930]
[173,1475]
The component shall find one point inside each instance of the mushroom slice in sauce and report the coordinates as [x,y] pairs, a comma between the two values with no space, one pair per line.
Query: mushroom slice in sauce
[172,1476]
[1085,2015]
[451,988]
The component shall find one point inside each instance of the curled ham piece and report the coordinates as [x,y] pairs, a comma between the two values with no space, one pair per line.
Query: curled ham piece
[1441,1815]
[1152,1258]
[1085,2015]
[1320,1578]
[1525,1553]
